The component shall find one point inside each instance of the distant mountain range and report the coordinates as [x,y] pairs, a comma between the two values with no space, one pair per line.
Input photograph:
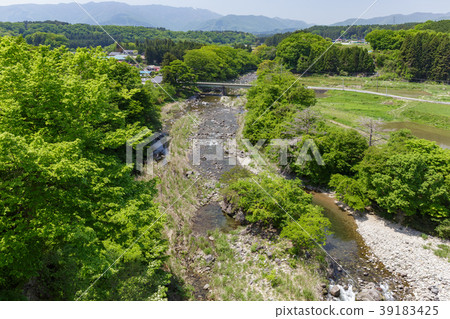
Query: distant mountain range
[109,13]
[398,19]
[177,19]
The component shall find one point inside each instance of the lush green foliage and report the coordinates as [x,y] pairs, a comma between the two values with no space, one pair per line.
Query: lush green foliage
[355,32]
[265,52]
[51,39]
[236,173]
[156,49]
[349,191]
[426,55]
[214,62]
[301,52]
[386,39]
[85,35]
[275,39]
[283,204]
[69,206]
[340,150]
[274,102]
[438,26]
[361,31]
[406,176]
[443,230]
[334,32]
[297,48]
[415,55]
[180,77]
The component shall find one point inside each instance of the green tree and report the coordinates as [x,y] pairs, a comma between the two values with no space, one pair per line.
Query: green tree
[274,102]
[264,52]
[385,39]
[294,51]
[51,39]
[168,58]
[340,150]
[350,191]
[69,206]
[213,62]
[408,176]
[180,76]
[440,68]
[283,204]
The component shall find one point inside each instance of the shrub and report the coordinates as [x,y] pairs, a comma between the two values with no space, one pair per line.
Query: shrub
[283,204]
[443,230]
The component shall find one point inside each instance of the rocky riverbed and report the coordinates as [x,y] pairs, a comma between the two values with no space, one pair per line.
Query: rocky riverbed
[402,251]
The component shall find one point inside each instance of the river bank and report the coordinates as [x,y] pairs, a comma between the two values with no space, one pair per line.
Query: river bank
[402,251]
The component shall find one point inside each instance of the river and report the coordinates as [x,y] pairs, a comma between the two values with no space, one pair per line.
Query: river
[356,264]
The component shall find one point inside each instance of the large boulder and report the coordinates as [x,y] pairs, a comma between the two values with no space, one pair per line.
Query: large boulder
[369,295]
[335,291]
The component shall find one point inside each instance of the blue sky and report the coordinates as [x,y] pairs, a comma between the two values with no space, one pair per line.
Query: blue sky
[315,11]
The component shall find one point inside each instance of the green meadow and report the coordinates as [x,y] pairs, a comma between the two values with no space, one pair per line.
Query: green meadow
[348,107]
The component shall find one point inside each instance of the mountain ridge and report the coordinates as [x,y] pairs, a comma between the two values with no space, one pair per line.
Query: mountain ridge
[153,15]
[397,19]
[117,13]
[180,18]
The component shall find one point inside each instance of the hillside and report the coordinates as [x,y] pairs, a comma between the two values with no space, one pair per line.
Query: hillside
[85,35]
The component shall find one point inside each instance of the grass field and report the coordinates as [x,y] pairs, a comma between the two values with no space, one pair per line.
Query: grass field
[430,91]
[348,107]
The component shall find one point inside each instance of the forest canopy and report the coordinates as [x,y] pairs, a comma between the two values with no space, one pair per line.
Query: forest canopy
[69,205]
[85,35]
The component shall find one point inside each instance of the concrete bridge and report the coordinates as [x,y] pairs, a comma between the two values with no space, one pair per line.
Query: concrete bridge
[223,86]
